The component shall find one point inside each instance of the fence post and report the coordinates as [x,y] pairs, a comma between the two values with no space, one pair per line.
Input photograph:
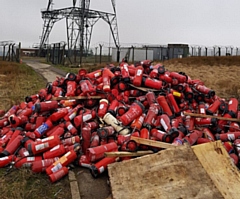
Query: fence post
[133,54]
[206,51]
[100,45]
[146,52]
[19,52]
[118,53]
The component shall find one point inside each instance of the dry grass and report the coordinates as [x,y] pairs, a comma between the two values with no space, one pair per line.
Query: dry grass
[218,73]
[16,82]
[23,184]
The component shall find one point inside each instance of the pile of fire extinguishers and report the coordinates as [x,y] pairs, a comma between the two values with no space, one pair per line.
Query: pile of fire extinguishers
[78,118]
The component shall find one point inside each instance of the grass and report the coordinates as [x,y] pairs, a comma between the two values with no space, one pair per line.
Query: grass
[16,82]
[218,73]
[23,184]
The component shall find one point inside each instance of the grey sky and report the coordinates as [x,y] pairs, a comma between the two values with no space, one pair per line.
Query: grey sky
[202,22]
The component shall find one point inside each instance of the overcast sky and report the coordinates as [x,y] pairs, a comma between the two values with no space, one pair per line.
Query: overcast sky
[194,22]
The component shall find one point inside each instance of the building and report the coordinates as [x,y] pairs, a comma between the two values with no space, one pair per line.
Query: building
[152,52]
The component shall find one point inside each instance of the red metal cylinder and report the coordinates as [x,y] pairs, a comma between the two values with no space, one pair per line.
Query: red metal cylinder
[59,114]
[71,140]
[69,126]
[41,130]
[213,107]
[12,147]
[39,166]
[193,137]
[58,174]
[99,167]
[86,138]
[86,116]
[136,109]
[230,136]
[84,162]
[151,115]
[4,161]
[26,162]
[161,135]
[164,105]
[173,103]
[103,107]
[97,153]
[152,83]
[137,81]
[43,145]
[56,151]
[63,161]
[45,106]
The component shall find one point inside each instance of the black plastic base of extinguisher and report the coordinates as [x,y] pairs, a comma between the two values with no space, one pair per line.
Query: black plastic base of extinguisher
[94,171]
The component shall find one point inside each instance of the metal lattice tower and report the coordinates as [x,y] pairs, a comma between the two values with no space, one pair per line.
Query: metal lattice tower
[79,22]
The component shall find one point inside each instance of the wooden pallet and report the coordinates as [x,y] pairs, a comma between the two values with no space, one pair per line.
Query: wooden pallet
[202,171]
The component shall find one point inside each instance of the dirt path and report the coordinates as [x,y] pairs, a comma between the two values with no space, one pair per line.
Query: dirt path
[88,187]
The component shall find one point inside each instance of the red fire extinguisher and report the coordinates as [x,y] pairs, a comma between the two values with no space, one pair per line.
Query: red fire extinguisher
[12,147]
[56,151]
[4,161]
[39,166]
[101,166]
[41,130]
[164,105]
[137,81]
[103,107]
[86,138]
[66,159]
[26,162]
[84,117]
[97,153]
[42,145]
[45,106]
[71,140]
[59,114]
[136,109]
[63,171]
[71,88]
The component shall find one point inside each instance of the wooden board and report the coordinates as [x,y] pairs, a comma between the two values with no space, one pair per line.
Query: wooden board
[217,163]
[170,173]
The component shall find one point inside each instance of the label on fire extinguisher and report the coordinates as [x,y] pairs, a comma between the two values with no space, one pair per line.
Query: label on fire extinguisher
[101,106]
[202,110]
[4,158]
[101,169]
[56,167]
[231,137]
[69,127]
[87,117]
[41,146]
[73,115]
[30,159]
[41,129]
[55,148]
[139,72]
[163,124]
[97,74]
[48,138]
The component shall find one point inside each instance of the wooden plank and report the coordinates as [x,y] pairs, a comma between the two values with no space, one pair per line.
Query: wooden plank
[76,97]
[127,154]
[217,163]
[170,173]
[152,143]
[145,89]
[211,116]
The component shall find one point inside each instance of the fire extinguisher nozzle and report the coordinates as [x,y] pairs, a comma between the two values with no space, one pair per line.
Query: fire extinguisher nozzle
[94,171]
